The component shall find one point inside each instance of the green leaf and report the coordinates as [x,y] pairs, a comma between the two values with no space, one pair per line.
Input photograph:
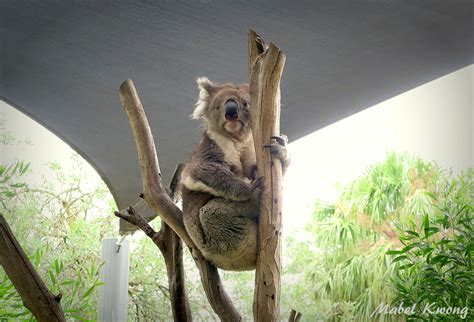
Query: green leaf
[18,185]
[430,231]
[38,255]
[97,284]
[24,168]
[439,259]
[444,241]
[413,233]
[470,248]
[89,291]
[426,222]
[52,277]
[56,267]
[67,282]
[410,247]
[399,258]
[72,311]
[431,195]
[406,266]
[406,237]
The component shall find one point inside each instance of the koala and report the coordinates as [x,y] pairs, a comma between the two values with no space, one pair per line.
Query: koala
[220,187]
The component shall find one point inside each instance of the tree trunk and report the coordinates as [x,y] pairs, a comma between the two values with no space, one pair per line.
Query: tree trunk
[266,66]
[34,293]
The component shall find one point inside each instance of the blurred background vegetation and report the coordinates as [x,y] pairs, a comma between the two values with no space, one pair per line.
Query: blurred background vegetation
[401,232]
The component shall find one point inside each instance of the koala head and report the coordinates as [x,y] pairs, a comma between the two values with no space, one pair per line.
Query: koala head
[225,108]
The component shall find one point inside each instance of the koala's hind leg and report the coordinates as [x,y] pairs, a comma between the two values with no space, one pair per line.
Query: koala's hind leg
[226,223]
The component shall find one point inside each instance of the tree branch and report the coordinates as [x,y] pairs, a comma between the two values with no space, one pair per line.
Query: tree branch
[34,293]
[266,66]
[171,247]
[158,199]
[154,193]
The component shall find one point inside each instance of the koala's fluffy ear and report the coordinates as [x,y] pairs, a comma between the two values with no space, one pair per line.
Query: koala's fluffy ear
[206,88]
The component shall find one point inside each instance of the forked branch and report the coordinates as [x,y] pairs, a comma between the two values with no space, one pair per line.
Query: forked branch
[158,199]
[171,248]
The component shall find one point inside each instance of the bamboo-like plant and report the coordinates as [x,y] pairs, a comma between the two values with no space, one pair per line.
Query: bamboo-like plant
[349,272]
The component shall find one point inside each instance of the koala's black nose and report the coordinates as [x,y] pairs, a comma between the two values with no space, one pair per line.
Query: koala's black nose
[231,110]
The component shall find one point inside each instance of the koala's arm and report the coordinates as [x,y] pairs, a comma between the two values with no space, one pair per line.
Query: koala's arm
[217,179]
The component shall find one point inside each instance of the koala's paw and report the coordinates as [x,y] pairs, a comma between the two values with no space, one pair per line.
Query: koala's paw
[257,188]
[257,185]
[282,139]
[279,150]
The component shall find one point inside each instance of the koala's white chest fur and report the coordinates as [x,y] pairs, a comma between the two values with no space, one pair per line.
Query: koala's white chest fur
[238,154]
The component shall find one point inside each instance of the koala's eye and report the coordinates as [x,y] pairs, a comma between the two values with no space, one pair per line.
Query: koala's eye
[246,103]
[218,107]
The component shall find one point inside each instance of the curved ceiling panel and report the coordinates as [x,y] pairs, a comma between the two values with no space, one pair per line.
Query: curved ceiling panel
[63,61]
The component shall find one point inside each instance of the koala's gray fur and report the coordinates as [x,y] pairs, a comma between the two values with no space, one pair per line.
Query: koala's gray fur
[219,204]
[219,187]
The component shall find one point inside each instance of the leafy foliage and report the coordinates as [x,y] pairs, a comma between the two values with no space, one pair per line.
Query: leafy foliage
[60,224]
[52,223]
[344,260]
[10,183]
[436,261]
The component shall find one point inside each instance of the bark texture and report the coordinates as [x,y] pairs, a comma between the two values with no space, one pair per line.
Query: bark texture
[34,293]
[266,67]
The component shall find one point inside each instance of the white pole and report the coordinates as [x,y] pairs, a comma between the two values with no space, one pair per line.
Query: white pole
[113,295]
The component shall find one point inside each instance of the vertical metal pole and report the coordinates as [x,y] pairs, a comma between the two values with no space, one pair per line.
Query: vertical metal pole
[113,295]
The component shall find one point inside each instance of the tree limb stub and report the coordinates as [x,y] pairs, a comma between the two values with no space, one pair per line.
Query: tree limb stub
[266,67]
[294,316]
[158,199]
[34,293]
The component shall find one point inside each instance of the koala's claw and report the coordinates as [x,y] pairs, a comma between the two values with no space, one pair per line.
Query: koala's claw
[257,184]
[278,149]
[282,139]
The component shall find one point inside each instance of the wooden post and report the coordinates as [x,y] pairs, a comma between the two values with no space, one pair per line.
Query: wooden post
[34,293]
[265,67]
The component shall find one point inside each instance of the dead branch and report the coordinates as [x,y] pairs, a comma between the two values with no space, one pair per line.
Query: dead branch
[266,66]
[158,199]
[154,193]
[34,293]
[294,316]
